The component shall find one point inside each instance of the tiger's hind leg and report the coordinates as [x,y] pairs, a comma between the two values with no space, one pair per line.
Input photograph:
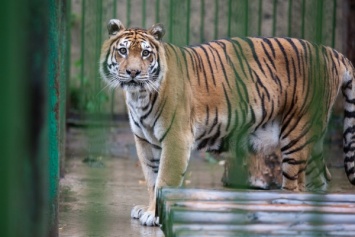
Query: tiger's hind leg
[317,173]
[296,147]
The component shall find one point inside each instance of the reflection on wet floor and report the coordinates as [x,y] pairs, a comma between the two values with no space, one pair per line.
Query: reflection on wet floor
[98,191]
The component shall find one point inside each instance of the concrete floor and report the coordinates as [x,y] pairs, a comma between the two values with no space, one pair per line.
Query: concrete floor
[96,196]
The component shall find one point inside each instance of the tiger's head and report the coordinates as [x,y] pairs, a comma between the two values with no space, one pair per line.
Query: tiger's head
[132,58]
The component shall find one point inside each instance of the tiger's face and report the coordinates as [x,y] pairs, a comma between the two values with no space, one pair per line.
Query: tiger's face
[130,57]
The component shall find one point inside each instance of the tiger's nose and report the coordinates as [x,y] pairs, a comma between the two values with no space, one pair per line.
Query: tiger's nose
[133,73]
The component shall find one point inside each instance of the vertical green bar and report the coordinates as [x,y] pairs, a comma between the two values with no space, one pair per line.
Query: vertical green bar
[128,13]
[144,12]
[303,13]
[53,116]
[114,13]
[97,53]
[216,11]
[289,18]
[229,18]
[334,22]
[202,20]
[13,129]
[56,111]
[260,17]
[319,28]
[188,15]
[157,11]
[82,58]
[171,20]
[114,9]
[246,19]
[274,17]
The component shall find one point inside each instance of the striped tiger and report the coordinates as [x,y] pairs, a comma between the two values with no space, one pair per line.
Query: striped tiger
[236,94]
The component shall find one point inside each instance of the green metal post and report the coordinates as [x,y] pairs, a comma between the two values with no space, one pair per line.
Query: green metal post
[157,11]
[57,99]
[260,17]
[289,18]
[188,22]
[274,17]
[319,28]
[202,20]
[334,22]
[216,11]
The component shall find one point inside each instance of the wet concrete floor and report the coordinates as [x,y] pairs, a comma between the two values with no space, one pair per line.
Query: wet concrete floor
[98,191]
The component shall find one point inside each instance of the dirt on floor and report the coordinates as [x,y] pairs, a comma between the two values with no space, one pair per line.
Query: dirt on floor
[103,181]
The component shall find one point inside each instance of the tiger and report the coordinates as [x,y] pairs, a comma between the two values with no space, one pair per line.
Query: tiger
[238,95]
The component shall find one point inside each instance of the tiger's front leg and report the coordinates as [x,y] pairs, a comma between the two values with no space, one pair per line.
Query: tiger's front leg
[169,170]
[149,157]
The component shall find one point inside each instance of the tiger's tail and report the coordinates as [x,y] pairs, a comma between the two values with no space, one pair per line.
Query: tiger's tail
[348,89]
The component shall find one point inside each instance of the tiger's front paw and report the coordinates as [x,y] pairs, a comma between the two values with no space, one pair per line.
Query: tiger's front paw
[149,219]
[138,211]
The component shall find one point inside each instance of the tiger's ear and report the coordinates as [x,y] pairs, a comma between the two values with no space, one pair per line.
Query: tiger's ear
[114,26]
[157,31]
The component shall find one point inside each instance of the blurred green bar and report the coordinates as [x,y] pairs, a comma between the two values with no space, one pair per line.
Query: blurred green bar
[289,26]
[82,58]
[246,24]
[188,15]
[229,18]
[319,28]
[144,13]
[216,16]
[13,133]
[260,17]
[334,22]
[157,11]
[128,10]
[303,18]
[274,17]
[171,20]
[202,21]
[114,9]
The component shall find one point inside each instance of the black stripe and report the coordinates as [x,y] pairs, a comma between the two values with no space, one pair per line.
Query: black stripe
[134,121]
[290,177]
[202,68]
[151,108]
[349,114]
[167,131]
[144,140]
[160,110]
[209,63]
[268,55]
[222,45]
[215,136]
[286,59]
[266,40]
[294,47]
[214,121]
[292,161]
[229,107]
[207,114]
[255,56]
[300,147]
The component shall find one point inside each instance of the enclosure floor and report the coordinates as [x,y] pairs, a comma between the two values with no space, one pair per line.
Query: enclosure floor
[96,197]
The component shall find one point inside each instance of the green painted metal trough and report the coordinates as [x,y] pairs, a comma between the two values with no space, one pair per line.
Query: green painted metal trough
[197,212]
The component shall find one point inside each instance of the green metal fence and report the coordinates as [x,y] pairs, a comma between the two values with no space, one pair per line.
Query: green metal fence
[33,101]
[188,22]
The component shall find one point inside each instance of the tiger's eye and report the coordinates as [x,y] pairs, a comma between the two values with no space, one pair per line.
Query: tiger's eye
[145,53]
[122,50]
